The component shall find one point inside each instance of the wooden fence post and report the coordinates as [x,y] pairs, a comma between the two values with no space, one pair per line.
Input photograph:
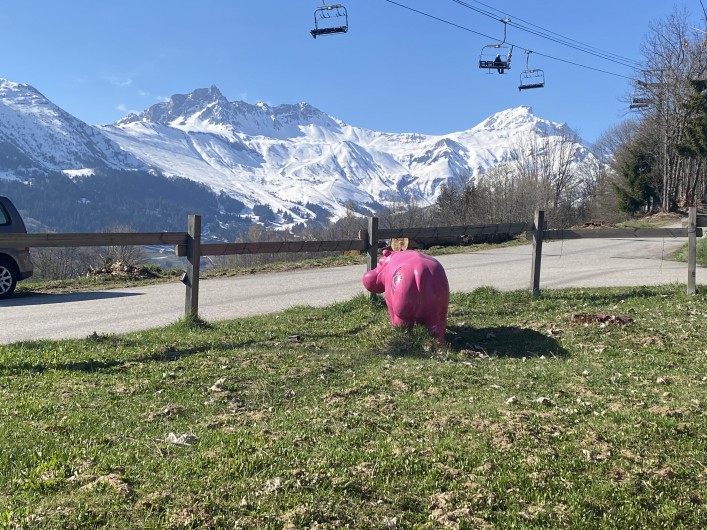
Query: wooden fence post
[191,306]
[372,250]
[538,227]
[691,250]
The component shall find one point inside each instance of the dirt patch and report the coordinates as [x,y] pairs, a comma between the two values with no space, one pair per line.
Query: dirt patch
[112,481]
[120,270]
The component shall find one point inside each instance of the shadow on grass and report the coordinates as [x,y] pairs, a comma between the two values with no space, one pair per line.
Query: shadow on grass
[498,341]
[611,295]
[95,365]
[168,353]
[503,341]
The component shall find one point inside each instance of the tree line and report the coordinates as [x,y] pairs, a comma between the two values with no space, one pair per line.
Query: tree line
[658,155]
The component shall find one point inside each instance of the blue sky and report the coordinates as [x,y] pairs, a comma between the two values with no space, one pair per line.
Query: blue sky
[396,70]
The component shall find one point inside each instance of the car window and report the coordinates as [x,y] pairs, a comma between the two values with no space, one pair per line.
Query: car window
[4,216]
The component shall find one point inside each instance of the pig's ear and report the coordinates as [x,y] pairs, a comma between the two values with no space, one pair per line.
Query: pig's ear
[386,252]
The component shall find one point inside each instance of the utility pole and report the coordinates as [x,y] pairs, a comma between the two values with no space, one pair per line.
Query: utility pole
[654,94]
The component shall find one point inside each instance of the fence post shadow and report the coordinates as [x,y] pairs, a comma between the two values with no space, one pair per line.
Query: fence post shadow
[692,250]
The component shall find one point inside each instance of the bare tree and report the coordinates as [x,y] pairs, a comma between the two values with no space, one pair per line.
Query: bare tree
[63,263]
[458,203]
[552,174]
[509,196]
[613,138]
[125,254]
[674,55]
[406,215]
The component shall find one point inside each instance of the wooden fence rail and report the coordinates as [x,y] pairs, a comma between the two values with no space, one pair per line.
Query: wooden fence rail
[93,239]
[275,247]
[189,243]
[444,232]
[694,229]
[622,233]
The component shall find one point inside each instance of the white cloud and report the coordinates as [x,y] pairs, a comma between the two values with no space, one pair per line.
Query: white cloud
[119,80]
[126,110]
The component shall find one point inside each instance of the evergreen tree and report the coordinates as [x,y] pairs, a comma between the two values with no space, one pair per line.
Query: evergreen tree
[636,166]
[694,143]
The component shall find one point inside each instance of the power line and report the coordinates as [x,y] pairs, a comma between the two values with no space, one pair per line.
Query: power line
[703,10]
[464,28]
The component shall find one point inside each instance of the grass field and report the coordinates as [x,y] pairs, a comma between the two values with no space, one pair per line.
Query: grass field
[700,255]
[537,413]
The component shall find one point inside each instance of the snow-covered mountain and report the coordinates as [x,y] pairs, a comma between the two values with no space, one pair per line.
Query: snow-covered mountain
[292,158]
[37,135]
[290,155]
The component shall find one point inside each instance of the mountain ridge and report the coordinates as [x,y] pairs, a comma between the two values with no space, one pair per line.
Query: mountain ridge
[293,158]
[31,125]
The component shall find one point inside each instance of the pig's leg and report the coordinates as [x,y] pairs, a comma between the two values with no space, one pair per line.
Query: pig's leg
[438,328]
[395,320]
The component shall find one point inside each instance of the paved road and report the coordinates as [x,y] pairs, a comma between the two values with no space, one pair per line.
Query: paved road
[572,263]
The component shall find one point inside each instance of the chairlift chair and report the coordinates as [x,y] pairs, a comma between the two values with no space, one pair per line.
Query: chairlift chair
[497,56]
[531,77]
[329,20]
[640,103]
[644,93]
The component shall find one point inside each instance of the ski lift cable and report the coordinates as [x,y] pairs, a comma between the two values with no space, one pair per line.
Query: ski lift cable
[440,20]
[490,14]
[628,63]
[548,34]
[464,28]
[545,32]
[583,66]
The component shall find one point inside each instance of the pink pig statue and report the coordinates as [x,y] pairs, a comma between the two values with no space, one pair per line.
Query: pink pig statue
[416,289]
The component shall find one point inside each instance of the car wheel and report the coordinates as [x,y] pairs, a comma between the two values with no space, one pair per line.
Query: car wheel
[8,278]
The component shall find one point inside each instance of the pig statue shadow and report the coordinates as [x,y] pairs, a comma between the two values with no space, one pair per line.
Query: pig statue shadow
[416,290]
[503,341]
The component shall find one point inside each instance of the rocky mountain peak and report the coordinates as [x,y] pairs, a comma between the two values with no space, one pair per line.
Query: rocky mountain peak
[208,107]
[181,107]
[509,119]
